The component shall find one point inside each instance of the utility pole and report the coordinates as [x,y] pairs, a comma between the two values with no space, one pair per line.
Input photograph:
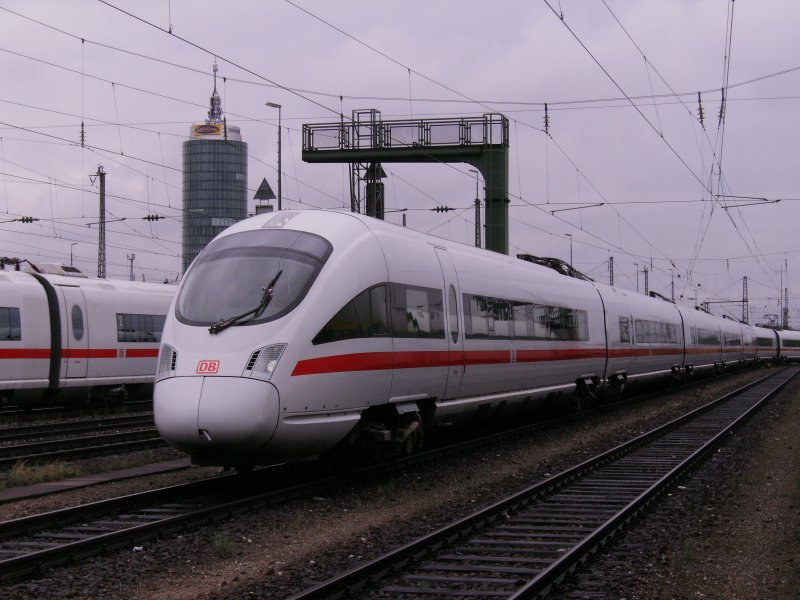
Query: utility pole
[130,258]
[636,265]
[477,211]
[646,282]
[101,235]
[786,308]
[278,106]
[745,301]
[611,271]
[672,284]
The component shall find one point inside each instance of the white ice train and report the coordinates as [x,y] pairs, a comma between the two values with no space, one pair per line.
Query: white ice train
[296,331]
[66,339]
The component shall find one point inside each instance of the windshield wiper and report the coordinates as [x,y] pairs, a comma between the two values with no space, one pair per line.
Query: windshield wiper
[256,312]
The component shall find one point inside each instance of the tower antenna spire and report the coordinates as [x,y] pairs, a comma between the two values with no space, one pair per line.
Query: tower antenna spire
[215,113]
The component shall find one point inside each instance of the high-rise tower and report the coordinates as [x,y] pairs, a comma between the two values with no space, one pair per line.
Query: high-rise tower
[214,179]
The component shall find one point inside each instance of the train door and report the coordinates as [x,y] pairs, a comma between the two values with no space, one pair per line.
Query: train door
[454,330]
[75,353]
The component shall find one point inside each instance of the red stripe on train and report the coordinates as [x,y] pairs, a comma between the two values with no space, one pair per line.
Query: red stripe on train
[44,353]
[377,361]
[141,353]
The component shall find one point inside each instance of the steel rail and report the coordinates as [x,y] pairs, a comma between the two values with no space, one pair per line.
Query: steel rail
[573,516]
[82,447]
[12,433]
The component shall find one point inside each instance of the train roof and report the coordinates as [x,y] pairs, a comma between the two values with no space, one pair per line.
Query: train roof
[111,285]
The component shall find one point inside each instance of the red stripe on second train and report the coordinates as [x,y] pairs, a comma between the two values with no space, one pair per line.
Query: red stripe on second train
[25,353]
[44,353]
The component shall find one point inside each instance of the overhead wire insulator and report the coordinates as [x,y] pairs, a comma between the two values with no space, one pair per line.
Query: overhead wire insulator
[722,109]
[700,114]
[153,218]
[27,219]
[440,209]
[546,120]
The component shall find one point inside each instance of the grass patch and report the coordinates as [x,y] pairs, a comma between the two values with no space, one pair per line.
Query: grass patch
[223,544]
[689,554]
[24,474]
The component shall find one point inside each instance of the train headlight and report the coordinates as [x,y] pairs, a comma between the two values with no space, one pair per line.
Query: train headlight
[167,359]
[264,361]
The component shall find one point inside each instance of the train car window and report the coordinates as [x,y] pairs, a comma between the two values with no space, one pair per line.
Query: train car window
[364,316]
[655,332]
[77,322]
[416,311]
[478,318]
[580,319]
[707,337]
[507,319]
[625,330]
[139,328]
[765,342]
[503,324]
[732,339]
[791,343]
[453,300]
[522,316]
[10,327]
[229,276]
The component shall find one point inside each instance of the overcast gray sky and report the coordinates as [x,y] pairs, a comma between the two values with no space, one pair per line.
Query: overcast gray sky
[138,89]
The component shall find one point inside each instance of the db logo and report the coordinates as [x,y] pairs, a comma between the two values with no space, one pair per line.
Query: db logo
[208,367]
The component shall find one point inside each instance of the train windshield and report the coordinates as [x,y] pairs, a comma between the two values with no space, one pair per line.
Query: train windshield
[228,278]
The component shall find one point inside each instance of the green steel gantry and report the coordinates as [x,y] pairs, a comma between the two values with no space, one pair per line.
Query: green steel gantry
[367,141]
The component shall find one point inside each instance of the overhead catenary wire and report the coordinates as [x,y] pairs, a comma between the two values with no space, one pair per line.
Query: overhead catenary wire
[407,99]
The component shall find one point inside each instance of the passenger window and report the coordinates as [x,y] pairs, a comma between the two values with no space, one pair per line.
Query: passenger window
[453,299]
[10,329]
[364,316]
[624,330]
[416,312]
[77,322]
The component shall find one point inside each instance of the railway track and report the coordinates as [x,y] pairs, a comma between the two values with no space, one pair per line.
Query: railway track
[15,413]
[523,546]
[31,432]
[39,541]
[76,439]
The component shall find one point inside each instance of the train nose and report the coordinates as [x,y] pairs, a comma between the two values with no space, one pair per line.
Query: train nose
[199,413]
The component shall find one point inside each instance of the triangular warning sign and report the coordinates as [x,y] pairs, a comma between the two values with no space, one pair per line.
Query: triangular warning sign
[264,191]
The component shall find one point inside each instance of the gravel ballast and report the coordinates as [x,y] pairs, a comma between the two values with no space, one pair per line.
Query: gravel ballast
[275,552]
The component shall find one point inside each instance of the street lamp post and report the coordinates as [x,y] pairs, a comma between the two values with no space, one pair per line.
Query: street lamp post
[569,235]
[280,175]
